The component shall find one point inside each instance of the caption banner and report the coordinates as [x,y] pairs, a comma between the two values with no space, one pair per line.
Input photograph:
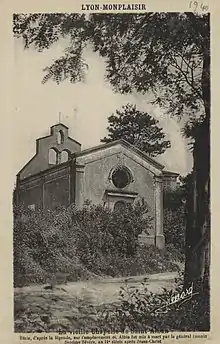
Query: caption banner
[140,338]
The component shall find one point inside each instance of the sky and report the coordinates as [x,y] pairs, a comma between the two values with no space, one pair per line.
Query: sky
[84,107]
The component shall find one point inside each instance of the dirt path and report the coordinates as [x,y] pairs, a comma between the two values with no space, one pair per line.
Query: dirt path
[73,305]
[107,290]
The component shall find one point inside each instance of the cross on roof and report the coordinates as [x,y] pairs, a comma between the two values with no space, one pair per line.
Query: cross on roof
[60,117]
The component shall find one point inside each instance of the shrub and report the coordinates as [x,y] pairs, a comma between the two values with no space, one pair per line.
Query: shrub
[174,228]
[43,244]
[103,234]
[139,309]
[173,198]
[174,219]
[174,254]
[81,242]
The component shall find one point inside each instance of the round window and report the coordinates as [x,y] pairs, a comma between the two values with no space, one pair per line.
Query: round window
[121,177]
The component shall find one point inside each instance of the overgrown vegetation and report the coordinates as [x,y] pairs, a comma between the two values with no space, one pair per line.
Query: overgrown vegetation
[174,221]
[142,310]
[83,243]
[95,242]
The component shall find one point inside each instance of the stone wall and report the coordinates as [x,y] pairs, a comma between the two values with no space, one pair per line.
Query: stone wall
[49,189]
[94,183]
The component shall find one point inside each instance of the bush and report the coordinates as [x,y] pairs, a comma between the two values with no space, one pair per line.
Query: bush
[174,228]
[174,219]
[81,242]
[103,236]
[43,244]
[139,309]
[173,198]
[174,254]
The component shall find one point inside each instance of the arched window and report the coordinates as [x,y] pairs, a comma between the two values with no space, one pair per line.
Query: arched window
[53,158]
[121,177]
[64,156]
[60,137]
[120,206]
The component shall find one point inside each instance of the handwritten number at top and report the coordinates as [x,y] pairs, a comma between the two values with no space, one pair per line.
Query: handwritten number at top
[197,6]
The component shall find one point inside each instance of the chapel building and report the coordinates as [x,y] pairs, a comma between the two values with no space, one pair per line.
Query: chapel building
[111,174]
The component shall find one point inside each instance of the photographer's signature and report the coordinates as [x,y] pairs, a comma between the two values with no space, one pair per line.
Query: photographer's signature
[178,298]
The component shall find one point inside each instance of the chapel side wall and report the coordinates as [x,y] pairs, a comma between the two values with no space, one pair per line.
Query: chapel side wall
[57,189]
[96,181]
[46,190]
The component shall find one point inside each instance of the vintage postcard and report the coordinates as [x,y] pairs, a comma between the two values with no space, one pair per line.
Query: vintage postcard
[110,236]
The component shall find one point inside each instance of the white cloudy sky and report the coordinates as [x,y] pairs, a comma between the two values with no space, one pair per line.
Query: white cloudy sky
[84,107]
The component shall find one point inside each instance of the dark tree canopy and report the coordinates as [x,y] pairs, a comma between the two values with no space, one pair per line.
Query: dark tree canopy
[158,52]
[138,128]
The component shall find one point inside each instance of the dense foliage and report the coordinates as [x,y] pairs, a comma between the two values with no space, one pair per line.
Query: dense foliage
[174,228]
[141,310]
[175,219]
[138,128]
[142,51]
[82,243]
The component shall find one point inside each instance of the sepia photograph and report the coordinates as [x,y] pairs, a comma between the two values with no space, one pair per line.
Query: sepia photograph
[111,166]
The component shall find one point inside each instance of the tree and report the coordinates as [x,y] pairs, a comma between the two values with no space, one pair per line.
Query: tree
[167,54]
[138,128]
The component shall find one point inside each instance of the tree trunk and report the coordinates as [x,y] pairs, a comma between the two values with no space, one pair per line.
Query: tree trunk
[197,231]
[198,219]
